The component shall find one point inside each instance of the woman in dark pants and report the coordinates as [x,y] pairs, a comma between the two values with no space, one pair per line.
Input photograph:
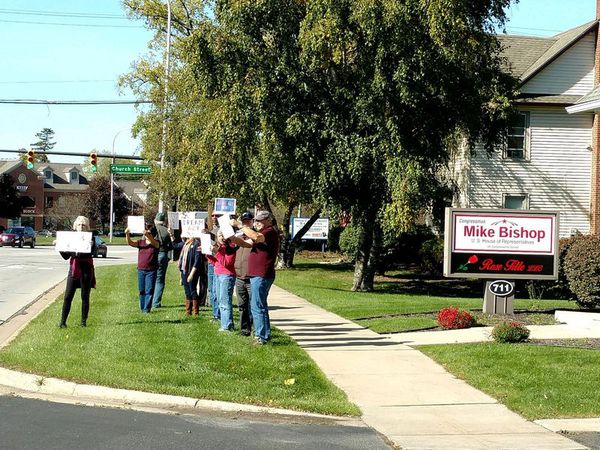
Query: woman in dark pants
[81,275]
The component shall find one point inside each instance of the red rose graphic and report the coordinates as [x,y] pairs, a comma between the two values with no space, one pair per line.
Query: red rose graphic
[473,259]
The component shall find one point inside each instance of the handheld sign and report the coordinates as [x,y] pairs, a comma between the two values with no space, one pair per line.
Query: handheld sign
[206,244]
[225,226]
[74,241]
[173,220]
[192,223]
[224,206]
[135,224]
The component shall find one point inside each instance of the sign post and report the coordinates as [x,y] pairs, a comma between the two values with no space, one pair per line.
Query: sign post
[504,245]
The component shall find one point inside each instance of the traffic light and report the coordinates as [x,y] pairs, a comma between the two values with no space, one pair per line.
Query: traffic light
[30,159]
[93,161]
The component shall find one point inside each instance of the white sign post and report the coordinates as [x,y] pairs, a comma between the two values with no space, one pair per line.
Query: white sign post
[173,220]
[136,224]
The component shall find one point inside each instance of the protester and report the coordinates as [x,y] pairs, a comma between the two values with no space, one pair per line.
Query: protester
[224,262]
[261,270]
[212,291]
[165,246]
[147,265]
[192,268]
[81,275]
[242,281]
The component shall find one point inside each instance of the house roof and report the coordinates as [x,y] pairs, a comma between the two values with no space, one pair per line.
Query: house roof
[9,166]
[134,189]
[556,100]
[590,102]
[526,56]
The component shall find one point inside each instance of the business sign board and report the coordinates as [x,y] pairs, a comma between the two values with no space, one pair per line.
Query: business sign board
[318,230]
[507,243]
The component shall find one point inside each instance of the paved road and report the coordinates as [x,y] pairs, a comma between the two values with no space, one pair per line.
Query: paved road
[27,273]
[34,424]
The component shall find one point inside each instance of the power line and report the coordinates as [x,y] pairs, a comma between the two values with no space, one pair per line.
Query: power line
[32,12]
[56,81]
[72,102]
[85,25]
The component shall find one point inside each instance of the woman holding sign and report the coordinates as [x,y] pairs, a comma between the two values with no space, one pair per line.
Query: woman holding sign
[147,265]
[81,275]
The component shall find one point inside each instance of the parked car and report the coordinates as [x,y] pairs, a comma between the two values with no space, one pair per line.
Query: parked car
[118,233]
[45,233]
[18,236]
[101,248]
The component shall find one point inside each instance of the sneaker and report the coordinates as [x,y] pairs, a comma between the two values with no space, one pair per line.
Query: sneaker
[62,325]
[258,341]
[246,332]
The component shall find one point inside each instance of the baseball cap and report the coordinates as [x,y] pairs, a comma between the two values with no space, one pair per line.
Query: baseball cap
[262,215]
[246,216]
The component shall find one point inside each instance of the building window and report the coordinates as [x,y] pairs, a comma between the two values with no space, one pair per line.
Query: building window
[515,201]
[47,174]
[74,176]
[49,202]
[517,139]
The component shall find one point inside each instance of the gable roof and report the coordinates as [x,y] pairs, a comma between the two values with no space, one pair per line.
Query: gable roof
[9,166]
[527,56]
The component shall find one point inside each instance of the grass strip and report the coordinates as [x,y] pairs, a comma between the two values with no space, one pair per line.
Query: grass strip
[534,381]
[166,352]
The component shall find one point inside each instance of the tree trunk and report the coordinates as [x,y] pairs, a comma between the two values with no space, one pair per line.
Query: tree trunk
[374,259]
[286,243]
[361,266]
[288,251]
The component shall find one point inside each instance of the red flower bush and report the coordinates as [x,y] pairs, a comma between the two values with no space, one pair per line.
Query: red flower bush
[510,331]
[453,318]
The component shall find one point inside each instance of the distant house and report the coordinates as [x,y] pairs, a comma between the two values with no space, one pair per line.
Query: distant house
[550,161]
[49,184]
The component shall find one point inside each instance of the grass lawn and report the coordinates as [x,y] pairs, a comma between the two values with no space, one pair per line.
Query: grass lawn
[401,301]
[169,353]
[535,381]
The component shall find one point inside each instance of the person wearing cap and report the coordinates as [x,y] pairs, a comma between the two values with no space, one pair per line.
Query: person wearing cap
[242,281]
[261,270]
[163,237]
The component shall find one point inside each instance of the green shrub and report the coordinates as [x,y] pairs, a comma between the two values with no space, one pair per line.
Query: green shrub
[431,256]
[582,267]
[453,318]
[510,331]
[349,242]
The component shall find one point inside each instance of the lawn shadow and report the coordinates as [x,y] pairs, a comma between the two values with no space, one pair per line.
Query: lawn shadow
[145,322]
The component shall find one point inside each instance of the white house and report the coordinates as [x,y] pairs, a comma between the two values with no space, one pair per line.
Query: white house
[551,154]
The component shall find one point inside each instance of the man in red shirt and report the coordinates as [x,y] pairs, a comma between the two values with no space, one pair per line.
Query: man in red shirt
[261,270]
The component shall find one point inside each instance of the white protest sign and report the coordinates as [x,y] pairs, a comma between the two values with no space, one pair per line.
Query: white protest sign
[74,241]
[192,223]
[225,226]
[173,220]
[224,206]
[206,244]
[135,224]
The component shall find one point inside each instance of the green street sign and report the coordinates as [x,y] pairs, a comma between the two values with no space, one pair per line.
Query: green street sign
[130,169]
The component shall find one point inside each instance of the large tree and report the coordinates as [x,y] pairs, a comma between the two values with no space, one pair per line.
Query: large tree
[353,104]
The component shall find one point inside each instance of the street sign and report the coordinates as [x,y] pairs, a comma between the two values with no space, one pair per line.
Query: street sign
[130,169]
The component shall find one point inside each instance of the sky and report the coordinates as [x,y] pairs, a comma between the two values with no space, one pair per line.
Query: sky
[54,50]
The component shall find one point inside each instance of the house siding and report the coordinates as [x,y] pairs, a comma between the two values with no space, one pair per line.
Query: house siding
[556,176]
[572,73]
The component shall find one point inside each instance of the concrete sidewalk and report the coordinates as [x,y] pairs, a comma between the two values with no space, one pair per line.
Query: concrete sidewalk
[402,393]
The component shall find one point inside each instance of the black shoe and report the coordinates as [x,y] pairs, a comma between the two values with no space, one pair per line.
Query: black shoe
[83,324]
[246,332]
[62,325]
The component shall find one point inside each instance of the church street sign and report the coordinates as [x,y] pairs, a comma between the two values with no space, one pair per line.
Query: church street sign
[130,169]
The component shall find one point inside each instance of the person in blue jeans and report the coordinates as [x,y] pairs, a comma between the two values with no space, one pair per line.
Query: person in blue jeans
[212,279]
[261,270]
[147,265]
[163,236]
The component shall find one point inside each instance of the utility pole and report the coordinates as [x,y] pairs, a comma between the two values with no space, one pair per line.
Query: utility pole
[161,205]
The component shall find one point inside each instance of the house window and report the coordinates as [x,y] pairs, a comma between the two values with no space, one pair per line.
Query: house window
[47,174]
[515,201]
[517,138]
[49,202]
[74,176]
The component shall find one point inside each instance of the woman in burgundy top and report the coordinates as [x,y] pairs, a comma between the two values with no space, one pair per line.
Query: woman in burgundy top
[81,275]
[147,265]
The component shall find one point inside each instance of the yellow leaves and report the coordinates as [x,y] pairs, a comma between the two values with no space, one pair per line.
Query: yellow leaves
[290,381]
